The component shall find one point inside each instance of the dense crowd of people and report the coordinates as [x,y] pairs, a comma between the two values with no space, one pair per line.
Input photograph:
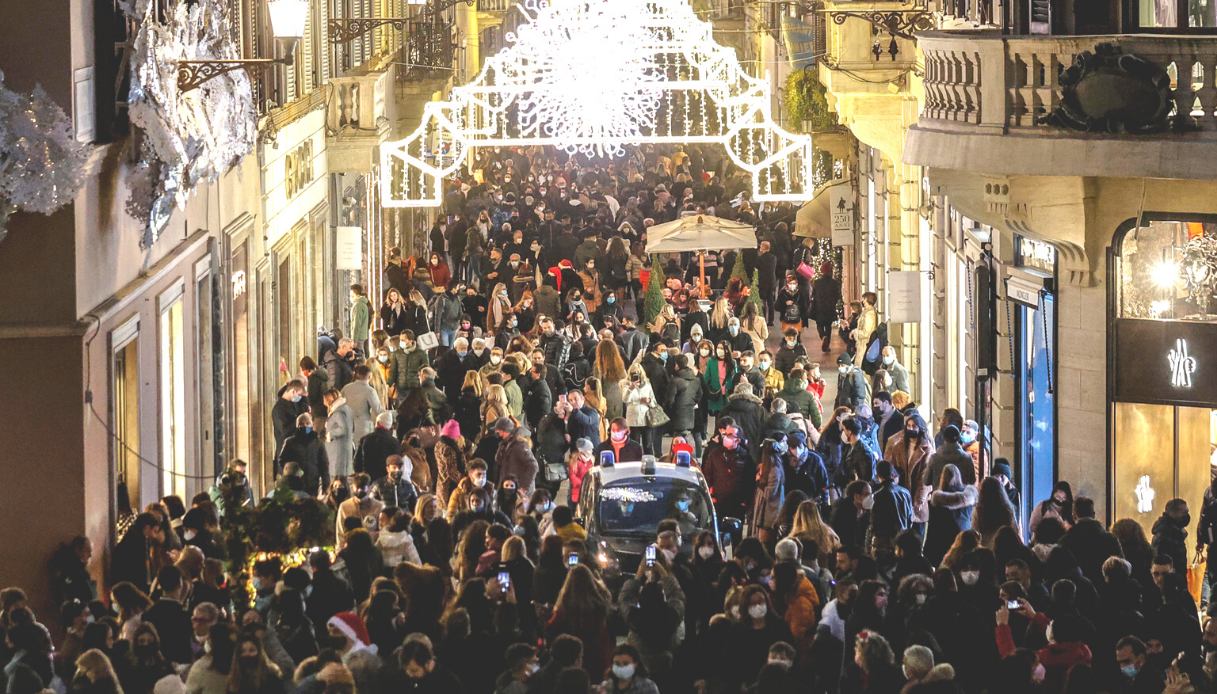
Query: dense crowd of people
[449,430]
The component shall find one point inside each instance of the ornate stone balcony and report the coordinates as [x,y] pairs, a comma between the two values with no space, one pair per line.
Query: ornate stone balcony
[1115,105]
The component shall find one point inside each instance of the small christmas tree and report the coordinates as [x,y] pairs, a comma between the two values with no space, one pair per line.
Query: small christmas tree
[738,271]
[653,301]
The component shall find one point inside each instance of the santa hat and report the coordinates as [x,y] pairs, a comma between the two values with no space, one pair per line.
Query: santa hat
[352,626]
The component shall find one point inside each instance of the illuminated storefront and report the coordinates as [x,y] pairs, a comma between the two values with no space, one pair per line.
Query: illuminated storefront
[1163,366]
[1031,291]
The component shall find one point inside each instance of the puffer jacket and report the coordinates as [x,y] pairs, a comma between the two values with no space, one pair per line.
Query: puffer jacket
[576,470]
[683,394]
[913,466]
[749,415]
[404,367]
[396,547]
[800,400]
[801,610]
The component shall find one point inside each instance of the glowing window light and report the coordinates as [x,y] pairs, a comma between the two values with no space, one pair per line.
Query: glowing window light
[593,76]
[1164,274]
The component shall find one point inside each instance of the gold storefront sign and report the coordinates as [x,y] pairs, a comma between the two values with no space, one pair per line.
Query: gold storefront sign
[298,169]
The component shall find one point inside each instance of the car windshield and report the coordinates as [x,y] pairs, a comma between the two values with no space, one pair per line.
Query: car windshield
[635,506]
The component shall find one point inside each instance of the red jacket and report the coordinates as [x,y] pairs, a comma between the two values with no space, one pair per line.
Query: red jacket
[576,470]
[1057,658]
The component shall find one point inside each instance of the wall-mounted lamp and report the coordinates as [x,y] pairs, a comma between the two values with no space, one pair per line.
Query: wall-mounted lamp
[287,22]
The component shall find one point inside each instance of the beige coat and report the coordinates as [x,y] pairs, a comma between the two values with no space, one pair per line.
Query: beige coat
[913,466]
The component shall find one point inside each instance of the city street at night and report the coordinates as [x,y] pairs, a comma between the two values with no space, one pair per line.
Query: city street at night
[608,347]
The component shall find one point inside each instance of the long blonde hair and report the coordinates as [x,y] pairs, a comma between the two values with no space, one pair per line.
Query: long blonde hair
[96,665]
[494,404]
[721,313]
[473,380]
[808,523]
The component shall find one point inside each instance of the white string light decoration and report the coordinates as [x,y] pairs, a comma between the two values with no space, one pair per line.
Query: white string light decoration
[595,76]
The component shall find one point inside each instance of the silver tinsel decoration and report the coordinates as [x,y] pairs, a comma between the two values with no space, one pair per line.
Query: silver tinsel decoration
[41,162]
[190,137]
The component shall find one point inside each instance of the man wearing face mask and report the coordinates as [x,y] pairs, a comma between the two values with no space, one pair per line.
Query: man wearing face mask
[852,391]
[729,471]
[361,504]
[1170,533]
[624,450]
[522,664]
[307,449]
[287,409]
[514,457]
[789,352]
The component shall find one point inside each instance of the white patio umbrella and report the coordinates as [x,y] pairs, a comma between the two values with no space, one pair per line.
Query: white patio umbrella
[700,233]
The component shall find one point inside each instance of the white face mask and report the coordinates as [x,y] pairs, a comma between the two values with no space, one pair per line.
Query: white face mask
[919,598]
[705,551]
[734,611]
[495,359]
[758,611]
[869,502]
[190,534]
[889,360]
[668,554]
[969,578]
[623,672]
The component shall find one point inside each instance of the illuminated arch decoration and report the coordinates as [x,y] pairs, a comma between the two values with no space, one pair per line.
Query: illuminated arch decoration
[593,76]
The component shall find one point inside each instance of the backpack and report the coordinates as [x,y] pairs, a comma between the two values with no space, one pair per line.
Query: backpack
[874,350]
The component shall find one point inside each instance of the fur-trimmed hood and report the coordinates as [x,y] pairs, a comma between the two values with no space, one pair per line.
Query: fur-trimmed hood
[954,500]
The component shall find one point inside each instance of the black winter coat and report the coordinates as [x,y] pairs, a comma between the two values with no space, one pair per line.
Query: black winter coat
[1171,539]
[307,449]
[749,415]
[373,450]
[683,396]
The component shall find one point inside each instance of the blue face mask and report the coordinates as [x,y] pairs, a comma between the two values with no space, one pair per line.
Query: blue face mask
[610,300]
[683,505]
[461,353]
[966,439]
[663,356]
[733,330]
[1130,671]
[307,430]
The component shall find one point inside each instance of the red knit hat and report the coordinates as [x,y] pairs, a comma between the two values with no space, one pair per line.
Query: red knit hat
[352,626]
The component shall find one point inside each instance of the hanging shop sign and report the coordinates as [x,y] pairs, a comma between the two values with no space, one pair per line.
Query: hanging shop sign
[348,248]
[841,209]
[1165,362]
[1025,287]
[904,297]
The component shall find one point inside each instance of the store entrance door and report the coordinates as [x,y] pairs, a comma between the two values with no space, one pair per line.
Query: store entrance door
[1037,411]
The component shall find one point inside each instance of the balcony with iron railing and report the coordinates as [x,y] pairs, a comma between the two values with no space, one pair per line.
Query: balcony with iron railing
[495,5]
[1111,105]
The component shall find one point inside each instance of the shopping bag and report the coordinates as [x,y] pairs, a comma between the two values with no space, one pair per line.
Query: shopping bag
[428,341]
[805,271]
[1195,575]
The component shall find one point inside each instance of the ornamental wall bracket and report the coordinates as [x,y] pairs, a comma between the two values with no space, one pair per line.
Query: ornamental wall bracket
[343,30]
[192,73]
[895,23]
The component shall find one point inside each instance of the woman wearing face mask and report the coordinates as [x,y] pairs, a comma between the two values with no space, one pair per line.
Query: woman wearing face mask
[718,377]
[438,270]
[525,312]
[627,674]
[252,672]
[145,669]
[790,305]
[706,565]
[639,399]
[950,512]
[498,307]
[758,629]
[378,366]
[1059,506]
